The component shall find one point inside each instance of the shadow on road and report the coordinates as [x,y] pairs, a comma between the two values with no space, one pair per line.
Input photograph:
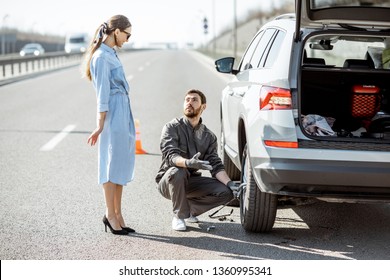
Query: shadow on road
[321,231]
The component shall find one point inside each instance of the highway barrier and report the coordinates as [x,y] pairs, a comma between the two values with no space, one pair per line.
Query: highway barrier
[14,66]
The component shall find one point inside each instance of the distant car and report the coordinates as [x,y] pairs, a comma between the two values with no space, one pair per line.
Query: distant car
[76,43]
[32,49]
[307,112]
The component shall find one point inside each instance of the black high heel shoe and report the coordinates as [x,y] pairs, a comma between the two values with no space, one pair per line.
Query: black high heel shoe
[129,230]
[113,231]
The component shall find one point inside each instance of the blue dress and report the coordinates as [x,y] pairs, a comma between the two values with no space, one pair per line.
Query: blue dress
[116,146]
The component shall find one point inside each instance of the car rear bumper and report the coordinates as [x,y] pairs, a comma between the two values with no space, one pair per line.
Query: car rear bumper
[331,179]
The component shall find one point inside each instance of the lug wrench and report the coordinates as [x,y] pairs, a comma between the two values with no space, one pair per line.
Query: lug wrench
[237,193]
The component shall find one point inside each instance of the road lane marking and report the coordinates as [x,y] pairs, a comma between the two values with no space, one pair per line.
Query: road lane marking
[58,138]
[209,64]
[140,69]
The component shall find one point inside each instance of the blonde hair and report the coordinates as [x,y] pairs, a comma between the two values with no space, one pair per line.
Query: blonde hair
[115,22]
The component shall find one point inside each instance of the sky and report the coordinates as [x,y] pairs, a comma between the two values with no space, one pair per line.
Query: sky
[178,21]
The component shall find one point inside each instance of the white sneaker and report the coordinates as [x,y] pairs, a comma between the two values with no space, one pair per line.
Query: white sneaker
[192,219]
[178,224]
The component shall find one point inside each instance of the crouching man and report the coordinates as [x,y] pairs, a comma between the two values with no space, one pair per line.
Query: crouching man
[188,146]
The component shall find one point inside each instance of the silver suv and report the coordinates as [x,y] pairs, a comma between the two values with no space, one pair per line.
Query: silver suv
[307,113]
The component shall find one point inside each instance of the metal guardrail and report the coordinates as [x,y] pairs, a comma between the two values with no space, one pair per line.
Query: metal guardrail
[17,66]
[14,67]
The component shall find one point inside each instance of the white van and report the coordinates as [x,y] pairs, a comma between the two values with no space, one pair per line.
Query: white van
[76,43]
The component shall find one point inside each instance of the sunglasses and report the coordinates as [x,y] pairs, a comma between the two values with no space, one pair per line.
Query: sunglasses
[127,34]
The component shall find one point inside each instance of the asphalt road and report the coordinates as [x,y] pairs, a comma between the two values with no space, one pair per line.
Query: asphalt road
[51,206]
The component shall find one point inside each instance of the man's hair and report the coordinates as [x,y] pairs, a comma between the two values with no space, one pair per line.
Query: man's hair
[202,96]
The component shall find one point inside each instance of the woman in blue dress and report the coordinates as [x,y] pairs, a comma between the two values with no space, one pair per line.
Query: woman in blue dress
[115,125]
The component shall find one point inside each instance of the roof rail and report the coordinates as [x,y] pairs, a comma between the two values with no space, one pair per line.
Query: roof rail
[286,16]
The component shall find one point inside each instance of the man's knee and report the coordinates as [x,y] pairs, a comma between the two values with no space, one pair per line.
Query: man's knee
[223,193]
[177,175]
[227,195]
[174,178]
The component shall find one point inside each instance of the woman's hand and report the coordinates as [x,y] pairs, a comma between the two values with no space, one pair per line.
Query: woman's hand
[93,138]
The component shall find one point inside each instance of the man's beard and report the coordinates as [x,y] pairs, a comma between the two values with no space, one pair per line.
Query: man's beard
[192,114]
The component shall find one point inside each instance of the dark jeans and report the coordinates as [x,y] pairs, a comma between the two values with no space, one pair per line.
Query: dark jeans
[192,195]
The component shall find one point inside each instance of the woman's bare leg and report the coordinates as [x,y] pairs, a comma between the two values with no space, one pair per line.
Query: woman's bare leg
[110,191]
[118,205]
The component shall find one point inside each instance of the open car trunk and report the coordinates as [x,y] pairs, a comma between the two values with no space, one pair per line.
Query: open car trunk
[355,104]
[345,90]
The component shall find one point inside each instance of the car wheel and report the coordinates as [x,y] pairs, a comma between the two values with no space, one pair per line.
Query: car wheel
[257,208]
[232,171]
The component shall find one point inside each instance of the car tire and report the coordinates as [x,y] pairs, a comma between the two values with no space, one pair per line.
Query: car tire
[232,171]
[257,208]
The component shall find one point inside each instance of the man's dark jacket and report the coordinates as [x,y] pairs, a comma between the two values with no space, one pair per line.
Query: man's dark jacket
[179,138]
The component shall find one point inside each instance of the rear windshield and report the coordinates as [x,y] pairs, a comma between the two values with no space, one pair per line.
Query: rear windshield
[321,4]
[372,52]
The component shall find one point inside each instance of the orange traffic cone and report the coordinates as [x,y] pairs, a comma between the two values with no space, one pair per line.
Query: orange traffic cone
[138,145]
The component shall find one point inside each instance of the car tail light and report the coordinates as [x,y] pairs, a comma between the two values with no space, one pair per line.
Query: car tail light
[274,98]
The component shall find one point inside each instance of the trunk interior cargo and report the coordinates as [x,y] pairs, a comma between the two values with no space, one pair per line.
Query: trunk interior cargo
[354,102]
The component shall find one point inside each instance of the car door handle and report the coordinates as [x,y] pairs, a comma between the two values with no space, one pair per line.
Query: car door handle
[239,93]
[235,93]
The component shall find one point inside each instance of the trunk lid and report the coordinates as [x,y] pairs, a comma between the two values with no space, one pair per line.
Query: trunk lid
[353,14]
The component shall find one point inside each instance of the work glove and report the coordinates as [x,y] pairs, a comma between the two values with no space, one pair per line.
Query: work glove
[235,188]
[195,163]
[232,185]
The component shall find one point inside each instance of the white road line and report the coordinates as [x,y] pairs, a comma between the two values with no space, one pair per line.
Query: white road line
[209,64]
[58,138]
[141,68]
[130,77]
